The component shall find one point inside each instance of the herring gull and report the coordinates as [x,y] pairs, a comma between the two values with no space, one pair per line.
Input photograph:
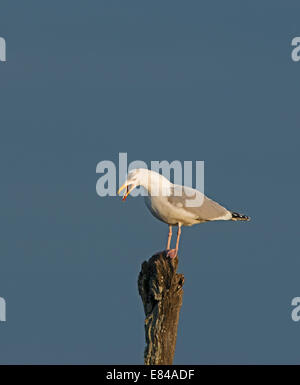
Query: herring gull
[176,205]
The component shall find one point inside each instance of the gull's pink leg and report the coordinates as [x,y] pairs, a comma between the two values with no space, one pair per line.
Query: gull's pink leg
[169,237]
[173,252]
[178,237]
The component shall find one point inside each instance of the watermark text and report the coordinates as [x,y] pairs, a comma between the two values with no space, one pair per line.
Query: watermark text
[296,51]
[2,49]
[2,309]
[184,174]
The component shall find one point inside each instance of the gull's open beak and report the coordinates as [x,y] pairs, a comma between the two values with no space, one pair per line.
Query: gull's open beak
[128,188]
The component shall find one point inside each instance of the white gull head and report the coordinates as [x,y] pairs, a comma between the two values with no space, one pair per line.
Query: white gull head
[156,184]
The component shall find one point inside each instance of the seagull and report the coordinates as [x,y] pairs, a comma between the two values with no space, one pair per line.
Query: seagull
[176,205]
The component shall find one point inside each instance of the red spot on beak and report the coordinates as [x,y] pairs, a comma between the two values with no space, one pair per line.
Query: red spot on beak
[126,194]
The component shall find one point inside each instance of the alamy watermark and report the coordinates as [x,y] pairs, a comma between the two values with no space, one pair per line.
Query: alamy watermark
[2,309]
[189,174]
[295,314]
[2,49]
[296,51]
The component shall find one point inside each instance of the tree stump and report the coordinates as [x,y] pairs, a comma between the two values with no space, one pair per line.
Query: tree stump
[160,288]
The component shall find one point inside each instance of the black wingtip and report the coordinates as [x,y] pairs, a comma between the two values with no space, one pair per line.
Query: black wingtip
[239,217]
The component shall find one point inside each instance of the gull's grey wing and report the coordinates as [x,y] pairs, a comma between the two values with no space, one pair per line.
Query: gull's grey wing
[196,203]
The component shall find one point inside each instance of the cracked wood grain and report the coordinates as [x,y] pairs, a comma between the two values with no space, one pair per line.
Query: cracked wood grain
[160,288]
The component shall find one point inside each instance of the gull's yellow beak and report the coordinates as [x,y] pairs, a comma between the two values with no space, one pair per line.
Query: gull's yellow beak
[127,190]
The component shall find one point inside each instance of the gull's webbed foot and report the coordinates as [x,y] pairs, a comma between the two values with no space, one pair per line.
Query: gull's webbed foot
[172,253]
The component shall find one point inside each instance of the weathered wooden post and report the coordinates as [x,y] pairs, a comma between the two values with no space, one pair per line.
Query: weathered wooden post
[160,288]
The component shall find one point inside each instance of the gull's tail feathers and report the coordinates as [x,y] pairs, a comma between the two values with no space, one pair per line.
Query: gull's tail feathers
[239,217]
